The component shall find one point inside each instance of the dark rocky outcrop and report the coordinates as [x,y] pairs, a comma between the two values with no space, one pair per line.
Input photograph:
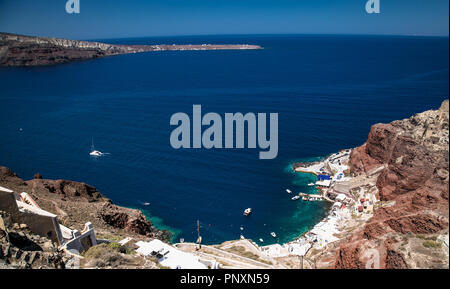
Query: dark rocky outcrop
[77,203]
[67,190]
[128,219]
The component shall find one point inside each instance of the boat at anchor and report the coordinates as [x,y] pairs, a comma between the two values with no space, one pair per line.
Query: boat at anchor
[247,211]
[94,152]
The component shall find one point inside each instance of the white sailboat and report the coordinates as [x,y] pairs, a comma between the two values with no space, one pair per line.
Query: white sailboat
[94,152]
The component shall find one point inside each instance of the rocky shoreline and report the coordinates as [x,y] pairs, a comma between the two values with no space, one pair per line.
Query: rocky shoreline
[21,50]
[78,203]
[403,164]
[395,213]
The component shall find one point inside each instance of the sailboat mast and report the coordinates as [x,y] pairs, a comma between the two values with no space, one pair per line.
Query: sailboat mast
[199,239]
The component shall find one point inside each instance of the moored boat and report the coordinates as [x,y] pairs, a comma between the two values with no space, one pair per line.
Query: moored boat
[94,152]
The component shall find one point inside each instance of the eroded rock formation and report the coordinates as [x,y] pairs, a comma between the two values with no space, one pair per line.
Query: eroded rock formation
[412,159]
[20,248]
[78,203]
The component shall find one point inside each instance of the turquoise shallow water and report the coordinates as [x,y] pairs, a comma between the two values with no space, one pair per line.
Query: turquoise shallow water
[327,90]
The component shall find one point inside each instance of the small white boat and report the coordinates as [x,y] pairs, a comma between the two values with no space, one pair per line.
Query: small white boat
[146,204]
[242,237]
[94,152]
[242,228]
[288,191]
[295,198]
[261,240]
[273,234]
[311,185]
[247,211]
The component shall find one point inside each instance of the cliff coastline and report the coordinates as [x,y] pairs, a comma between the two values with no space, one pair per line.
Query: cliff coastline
[396,215]
[20,50]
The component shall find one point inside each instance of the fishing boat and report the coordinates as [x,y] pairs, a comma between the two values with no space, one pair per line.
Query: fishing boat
[295,198]
[261,240]
[273,234]
[288,191]
[247,211]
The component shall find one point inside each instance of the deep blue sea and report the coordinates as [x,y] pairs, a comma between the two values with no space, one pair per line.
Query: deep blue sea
[327,90]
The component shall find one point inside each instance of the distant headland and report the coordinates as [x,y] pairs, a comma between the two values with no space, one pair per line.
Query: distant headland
[21,50]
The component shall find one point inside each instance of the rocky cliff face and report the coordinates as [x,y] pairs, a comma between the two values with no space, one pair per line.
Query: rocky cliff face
[412,159]
[20,50]
[77,203]
[20,248]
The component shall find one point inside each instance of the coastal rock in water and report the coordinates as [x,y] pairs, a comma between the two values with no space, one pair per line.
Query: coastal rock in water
[130,220]
[123,218]
[412,159]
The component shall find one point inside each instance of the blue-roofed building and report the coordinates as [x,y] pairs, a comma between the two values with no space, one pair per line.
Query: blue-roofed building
[323,177]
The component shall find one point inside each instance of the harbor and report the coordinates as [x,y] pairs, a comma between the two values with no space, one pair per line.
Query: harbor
[352,200]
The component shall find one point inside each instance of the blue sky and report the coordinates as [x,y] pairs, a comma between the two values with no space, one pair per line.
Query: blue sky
[134,18]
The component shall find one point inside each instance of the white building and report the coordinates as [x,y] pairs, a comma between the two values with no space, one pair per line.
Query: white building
[299,249]
[171,257]
[341,198]
[324,183]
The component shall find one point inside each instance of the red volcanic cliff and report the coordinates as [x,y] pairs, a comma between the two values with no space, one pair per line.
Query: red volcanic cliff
[412,159]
